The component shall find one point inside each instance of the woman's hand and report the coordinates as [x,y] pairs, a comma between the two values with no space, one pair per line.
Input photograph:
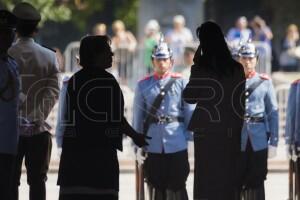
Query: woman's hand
[140,139]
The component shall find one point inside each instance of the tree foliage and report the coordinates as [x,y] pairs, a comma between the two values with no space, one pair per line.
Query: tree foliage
[128,13]
[80,11]
[49,9]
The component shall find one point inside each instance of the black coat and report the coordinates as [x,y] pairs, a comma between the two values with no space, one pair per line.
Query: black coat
[217,123]
[95,109]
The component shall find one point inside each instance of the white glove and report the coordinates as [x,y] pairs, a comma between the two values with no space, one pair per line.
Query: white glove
[289,154]
[272,151]
[140,158]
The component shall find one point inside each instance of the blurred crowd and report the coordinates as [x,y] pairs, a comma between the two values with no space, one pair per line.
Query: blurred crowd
[126,46]
[257,30]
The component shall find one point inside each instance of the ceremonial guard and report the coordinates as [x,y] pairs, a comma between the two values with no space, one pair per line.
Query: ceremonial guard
[160,113]
[39,92]
[60,124]
[292,137]
[9,96]
[260,129]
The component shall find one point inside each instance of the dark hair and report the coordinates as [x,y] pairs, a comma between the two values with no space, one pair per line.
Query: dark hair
[213,52]
[26,28]
[91,47]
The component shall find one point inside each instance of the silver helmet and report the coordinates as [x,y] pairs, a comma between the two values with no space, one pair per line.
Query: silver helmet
[248,50]
[161,50]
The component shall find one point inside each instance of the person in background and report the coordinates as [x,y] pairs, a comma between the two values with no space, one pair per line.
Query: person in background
[123,45]
[60,59]
[61,111]
[9,97]
[60,123]
[178,38]
[166,163]
[188,58]
[290,52]
[239,33]
[260,31]
[39,92]
[292,136]
[99,29]
[151,39]
[122,38]
[260,130]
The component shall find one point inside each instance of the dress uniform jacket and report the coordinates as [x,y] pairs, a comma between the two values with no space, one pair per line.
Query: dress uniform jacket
[9,109]
[292,127]
[166,137]
[261,104]
[60,125]
[39,80]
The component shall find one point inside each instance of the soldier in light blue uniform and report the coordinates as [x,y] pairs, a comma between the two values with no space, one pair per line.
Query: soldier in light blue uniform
[60,125]
[292,127]
[260,130]
[166,165]
[292,137]
[9,96]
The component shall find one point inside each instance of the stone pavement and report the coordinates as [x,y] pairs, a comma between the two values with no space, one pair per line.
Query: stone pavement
[126,158]
[276,187]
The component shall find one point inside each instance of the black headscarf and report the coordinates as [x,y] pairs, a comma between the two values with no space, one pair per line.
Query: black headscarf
[95,52]
[213,52]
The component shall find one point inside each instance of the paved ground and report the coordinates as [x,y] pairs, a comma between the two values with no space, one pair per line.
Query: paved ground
[276,187]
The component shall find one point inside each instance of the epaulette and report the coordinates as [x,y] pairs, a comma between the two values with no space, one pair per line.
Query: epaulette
[145,78]
[49,48]
[264,76]
[296,82]
[176,75]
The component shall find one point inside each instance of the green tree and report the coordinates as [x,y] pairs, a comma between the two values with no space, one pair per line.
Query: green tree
[80,11]
[128,12]
[49,9]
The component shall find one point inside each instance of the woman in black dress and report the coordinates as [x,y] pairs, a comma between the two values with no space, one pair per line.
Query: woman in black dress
[216,85]
[94,124]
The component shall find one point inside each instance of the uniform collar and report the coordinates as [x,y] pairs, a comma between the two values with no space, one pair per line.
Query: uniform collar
[251,75]
[158,77]
[25,39]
